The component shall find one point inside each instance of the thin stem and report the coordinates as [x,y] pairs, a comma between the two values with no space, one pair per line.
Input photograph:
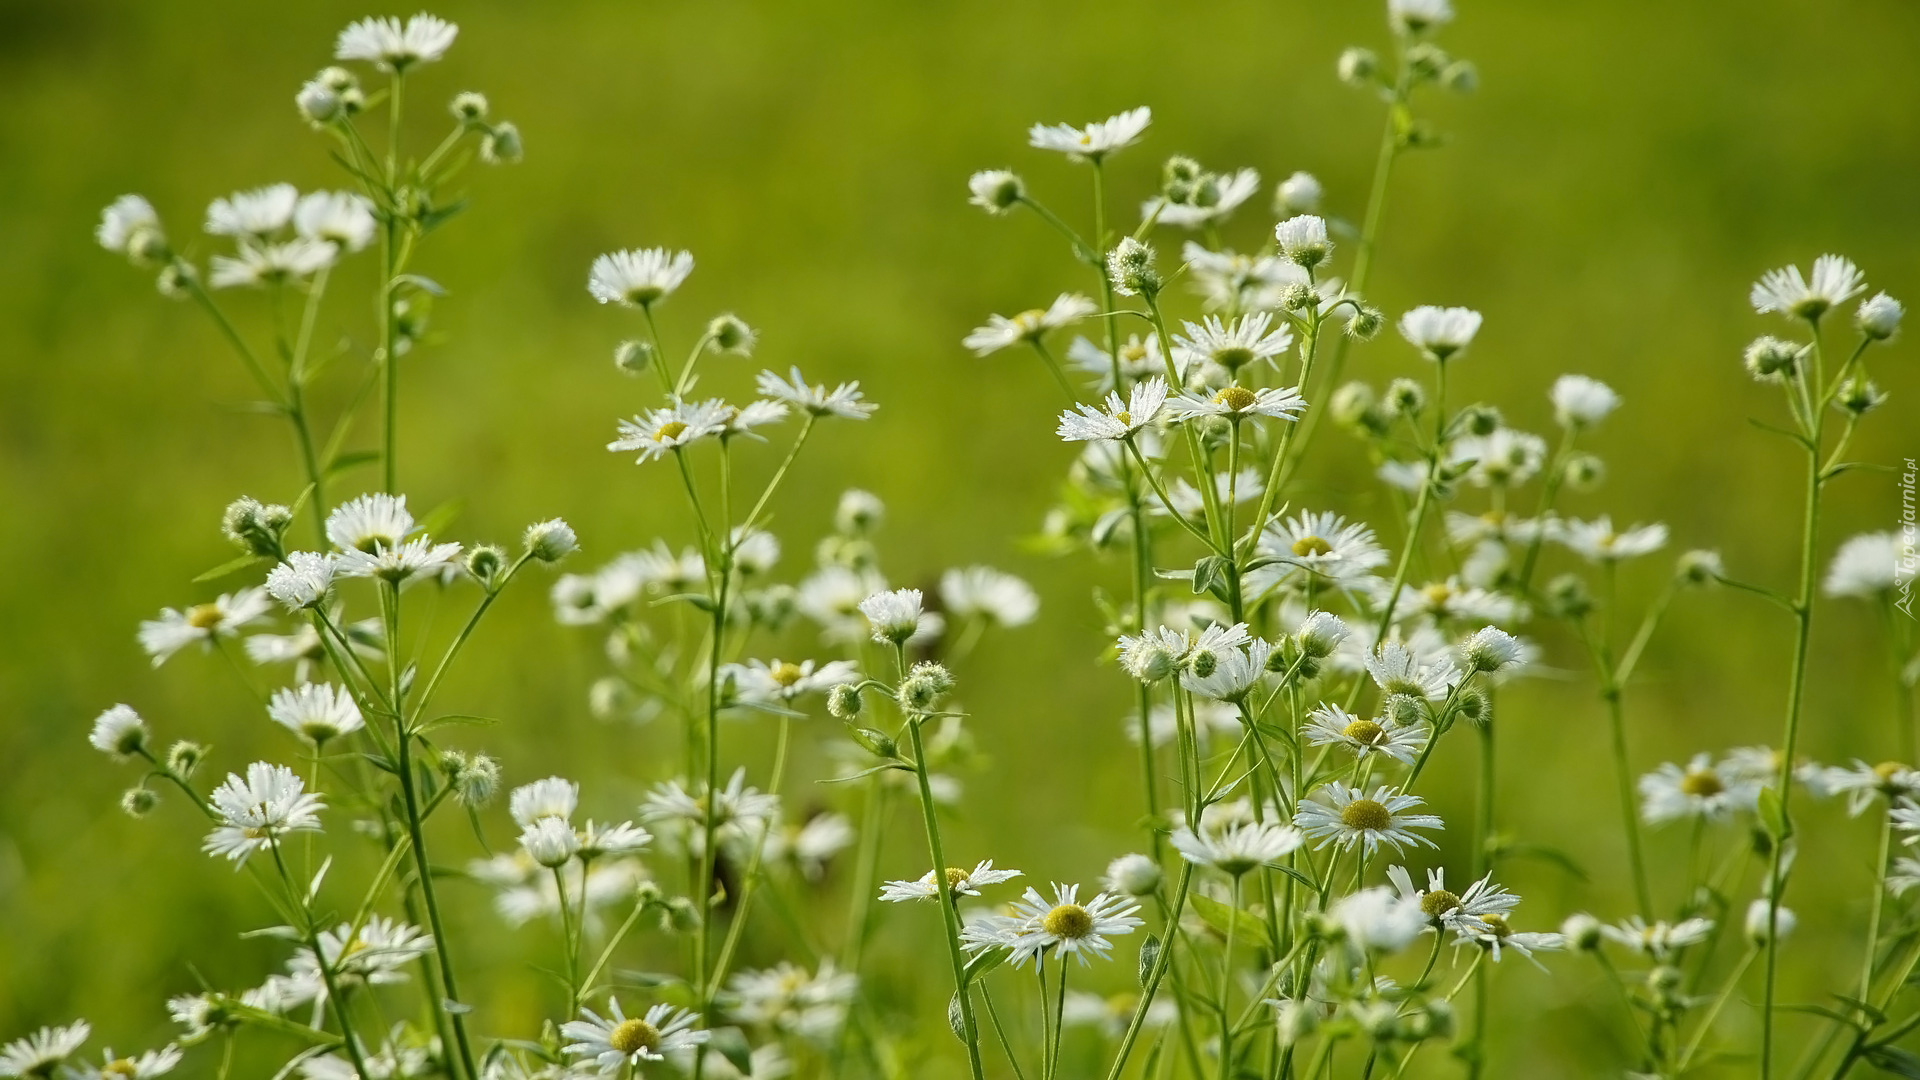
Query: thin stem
[949,916]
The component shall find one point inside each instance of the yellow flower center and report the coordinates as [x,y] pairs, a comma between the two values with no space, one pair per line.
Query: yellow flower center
[956,877]
[1494,517]
[1366,814]
[1365,731]
[1124,417]
[1701,783]
[633,1036]
[1069,921]
[1029,323]
[1437,594]
[1133,353]
[1497,923]
[1236,398]
[203,616]
[1312,545]
[122,1067]
[669,431]
[1887,770]
[1438,903]
[785,674]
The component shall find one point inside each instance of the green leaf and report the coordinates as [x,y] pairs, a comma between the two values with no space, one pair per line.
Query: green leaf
[453,720]
[1773,815]
[956,1019]
[863,773]
[732,1045]
[423,283]
[232,566]
[1209,573]
[350,460]
[1220,916]
[1149,954]
[1895,1060]
[980,965]
[438,518]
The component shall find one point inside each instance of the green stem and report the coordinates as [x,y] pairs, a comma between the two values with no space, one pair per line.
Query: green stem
[949,916]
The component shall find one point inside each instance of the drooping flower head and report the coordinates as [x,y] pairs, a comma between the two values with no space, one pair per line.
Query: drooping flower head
[394,46]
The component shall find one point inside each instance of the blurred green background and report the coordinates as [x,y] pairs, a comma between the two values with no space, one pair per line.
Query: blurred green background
[1623,174]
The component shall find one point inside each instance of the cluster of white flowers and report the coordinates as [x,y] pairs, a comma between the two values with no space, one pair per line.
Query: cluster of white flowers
[1293,680]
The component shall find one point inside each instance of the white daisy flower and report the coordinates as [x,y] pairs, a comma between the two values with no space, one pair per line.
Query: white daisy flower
[1299,193]
[1418,16]
[1448,601]
[1234,345]
[1440,333]
[402,562]
[1094,141]
[783,681]
[375,955]
[666,429]
[743,419]
[1320,633]
[1302,240]
[1321,545]
[550,841]
[39,1054]
[959,883]
[203,623]
[1211,720]
[1228,674]
[1331,725]
[369,522]
[1869,566]
[831,597]
[257,810]
[1119,419]
[598,841]
[254,214]
[1489,649]
[1766,921]
[1066,925]
[614,1041]
[1835,281]
[1000,598]
[554,797]
[1238,402]
[1238,849]
[1344,816]
[893,616]
[1597,542]
[1133,875]
[1580,401]
[639,277]
[303,580]
[125,223]
[1397,669]
[1379,920]
[1700,790]
[1241,282]
[1002,332]
[317,712]
[1878,318]
[1139,359]
[1222,196]
[337,217]
[262,264]
[996,191]
[741,814]
[1501,458]
[1861,782]
[1660,939]
[119,731]
[1466,912]
[812,844]
[792,1000]
[843,400]
[394,46]
[1495,934]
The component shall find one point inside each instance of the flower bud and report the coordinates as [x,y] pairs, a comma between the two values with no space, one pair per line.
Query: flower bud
[843,701]
[1859,396]
[633,357]
[1298,194]
[1358,66]
[1758,932]
[1700,568]
[859,513]
[1480,420]
[1770,359]
[682,915]
[474,779]
[1134,875]
[319,103]
[176,280]
[996,190]
[610,698]
[1461,77]
[469,107]
[1365,322]
[184,758]
[1130,267]
[502,145]
[1568,598]
[138,802]
[1879,317]
[1404,397]
[256,527]
[1585,472]
[551,541]
[1581,931]
[924,686]
[1351,403]
[729,333]
[485,562]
